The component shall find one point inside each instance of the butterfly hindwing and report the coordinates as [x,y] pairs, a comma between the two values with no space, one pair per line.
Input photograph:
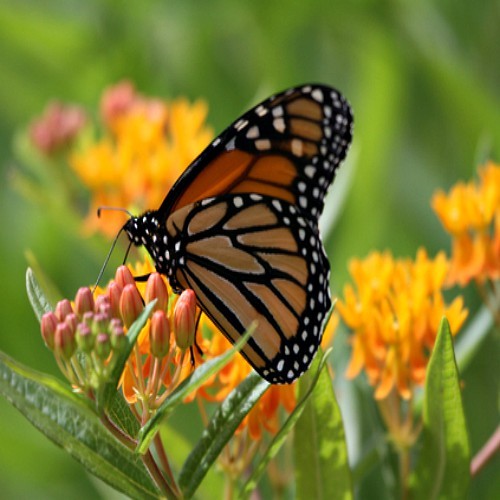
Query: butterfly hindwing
[254,258]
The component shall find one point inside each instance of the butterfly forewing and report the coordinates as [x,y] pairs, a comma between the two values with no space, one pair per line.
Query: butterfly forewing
[287,147]
[254,258]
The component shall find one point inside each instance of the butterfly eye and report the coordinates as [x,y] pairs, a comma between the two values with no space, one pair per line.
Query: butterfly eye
[240,226]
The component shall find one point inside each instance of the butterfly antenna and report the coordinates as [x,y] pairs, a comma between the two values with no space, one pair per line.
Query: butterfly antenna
[106,260]
[113,209]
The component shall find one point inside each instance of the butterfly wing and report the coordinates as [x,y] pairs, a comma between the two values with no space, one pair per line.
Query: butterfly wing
[251,257]
[287,147]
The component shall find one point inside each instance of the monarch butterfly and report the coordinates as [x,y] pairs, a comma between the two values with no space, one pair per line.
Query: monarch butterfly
[240,226]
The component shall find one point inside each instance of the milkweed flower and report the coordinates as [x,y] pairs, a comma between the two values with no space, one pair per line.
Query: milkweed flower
[394,308]
[95,325]
[146,145]
[470,212]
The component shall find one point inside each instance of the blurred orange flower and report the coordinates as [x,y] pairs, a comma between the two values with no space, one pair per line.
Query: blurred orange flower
[471,214]
[147,144]
[394,309]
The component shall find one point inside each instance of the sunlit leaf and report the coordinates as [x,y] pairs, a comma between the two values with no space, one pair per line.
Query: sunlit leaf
[36,296]
[320,452]
[443,467]
[282,434]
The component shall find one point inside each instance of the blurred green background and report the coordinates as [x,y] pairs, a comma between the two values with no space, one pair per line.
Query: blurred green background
[423,79]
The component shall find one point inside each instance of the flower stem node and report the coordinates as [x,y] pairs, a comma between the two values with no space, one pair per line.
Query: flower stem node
[185,320]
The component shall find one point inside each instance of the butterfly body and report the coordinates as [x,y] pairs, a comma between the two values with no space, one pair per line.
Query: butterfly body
[239,227]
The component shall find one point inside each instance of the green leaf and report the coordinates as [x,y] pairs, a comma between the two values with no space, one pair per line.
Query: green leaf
[190,384]
[108,390]
[219,431]
[70,423]
[282,434]
[443,467]
[37,298]
[321,462]
[120,413]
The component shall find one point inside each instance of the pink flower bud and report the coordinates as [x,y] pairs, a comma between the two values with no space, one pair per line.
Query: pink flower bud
[48,328]
[100,323]
[84,301]
[124,277]
[114,293]
[72,321]
[84,338]
[117,334]
[130,304]
[185,319]
[63,308]
[64,341]
[117,100]
[88,318]
[156,289]
[159,334]
[57,127]
[102,345]
[102,304]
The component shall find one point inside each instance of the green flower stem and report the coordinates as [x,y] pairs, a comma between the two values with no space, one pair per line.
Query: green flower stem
[148,460]
[158,477]
[160,449]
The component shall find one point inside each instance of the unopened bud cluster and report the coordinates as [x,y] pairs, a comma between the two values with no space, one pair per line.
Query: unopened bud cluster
[94,329]
[87,328]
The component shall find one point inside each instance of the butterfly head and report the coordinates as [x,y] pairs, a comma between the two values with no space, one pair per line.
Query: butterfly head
[146,230]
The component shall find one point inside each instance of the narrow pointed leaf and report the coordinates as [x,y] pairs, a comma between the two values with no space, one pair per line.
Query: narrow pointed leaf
[282,434]
[219,431]
[190,384]
[443,467]
[37,298]
[108,391]
[70,423]
[320,452]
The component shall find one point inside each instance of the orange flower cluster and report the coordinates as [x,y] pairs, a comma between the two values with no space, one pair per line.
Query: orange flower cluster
[471,214]
[147,144]
[394,309]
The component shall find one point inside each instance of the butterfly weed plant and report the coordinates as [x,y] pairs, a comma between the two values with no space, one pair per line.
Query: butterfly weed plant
[135,353]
